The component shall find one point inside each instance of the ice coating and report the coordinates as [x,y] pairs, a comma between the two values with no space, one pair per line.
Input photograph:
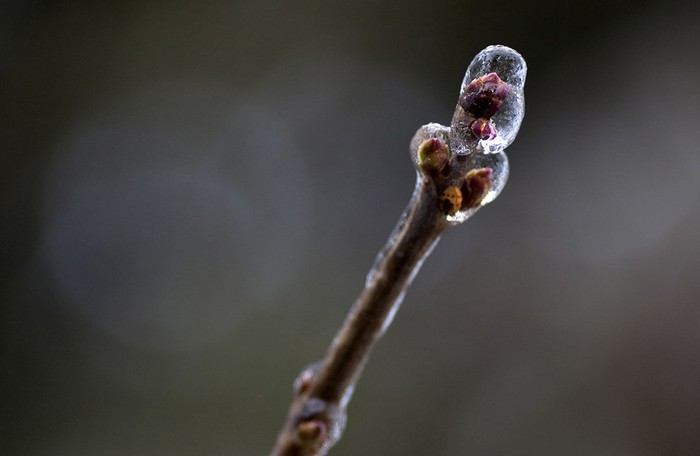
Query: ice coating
[502,60]
[498,163]
[492,102]
[428,131]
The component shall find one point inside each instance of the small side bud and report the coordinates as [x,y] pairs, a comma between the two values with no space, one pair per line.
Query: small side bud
[303,382]
[451,200]
[433,155]
[477,184]
[311,432]
[483,129]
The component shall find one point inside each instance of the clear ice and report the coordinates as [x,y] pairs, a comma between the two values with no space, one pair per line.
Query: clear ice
[511,69]
[502,115]
[498,163]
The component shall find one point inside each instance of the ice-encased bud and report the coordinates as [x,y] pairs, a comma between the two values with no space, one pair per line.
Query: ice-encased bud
[498,163]
[425,133]
[491,103]
[433,155]
[497,174]
[475,187]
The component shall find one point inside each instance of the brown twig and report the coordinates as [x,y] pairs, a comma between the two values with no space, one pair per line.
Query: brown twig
[450,187]
[321,397]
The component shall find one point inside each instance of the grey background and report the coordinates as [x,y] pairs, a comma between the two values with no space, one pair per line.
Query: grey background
[192,193]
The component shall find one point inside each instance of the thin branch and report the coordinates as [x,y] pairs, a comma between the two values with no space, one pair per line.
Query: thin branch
[460,169]
[323,395]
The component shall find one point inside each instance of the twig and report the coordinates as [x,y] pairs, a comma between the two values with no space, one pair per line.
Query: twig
[460,169]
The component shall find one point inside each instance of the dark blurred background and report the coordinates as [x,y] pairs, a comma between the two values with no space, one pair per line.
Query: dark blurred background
[192,193]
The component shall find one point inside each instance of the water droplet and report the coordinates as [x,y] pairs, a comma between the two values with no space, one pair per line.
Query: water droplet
[491,104]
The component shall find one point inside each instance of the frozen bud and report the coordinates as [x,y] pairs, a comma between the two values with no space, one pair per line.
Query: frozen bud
[482,129]
[477,184]
[451,200]
[425,133]
[433,155]
[484,95]
[491,102]
[498,170]
[480,185]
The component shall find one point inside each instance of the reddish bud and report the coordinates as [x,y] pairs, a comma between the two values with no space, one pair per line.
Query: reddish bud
[483,129]
[476,185]
[483,96]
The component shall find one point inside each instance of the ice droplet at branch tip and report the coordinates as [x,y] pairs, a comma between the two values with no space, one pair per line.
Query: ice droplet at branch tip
[491,102]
